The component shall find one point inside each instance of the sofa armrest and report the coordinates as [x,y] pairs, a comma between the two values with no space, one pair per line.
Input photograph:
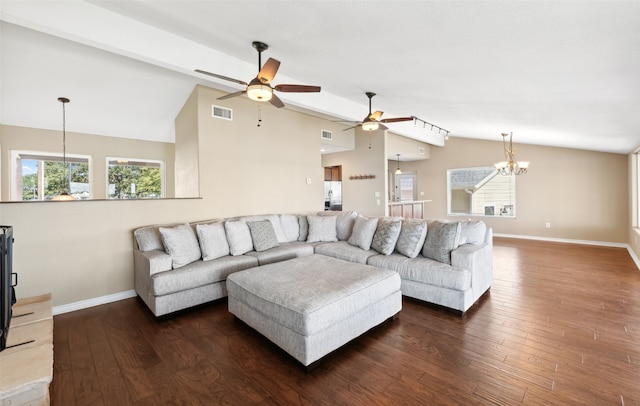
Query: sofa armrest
[478,259]
[147,263]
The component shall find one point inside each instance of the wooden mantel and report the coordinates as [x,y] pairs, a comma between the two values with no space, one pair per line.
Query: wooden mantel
[408,208]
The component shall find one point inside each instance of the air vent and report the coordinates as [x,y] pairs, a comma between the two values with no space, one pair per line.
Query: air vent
[221,112]
[326,135]
[420,150]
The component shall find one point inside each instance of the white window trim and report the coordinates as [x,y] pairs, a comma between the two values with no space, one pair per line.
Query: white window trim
[153,161]
[14,170]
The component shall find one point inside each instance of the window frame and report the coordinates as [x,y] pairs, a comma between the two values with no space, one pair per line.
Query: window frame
[16,169]
[491,201]
[162,167]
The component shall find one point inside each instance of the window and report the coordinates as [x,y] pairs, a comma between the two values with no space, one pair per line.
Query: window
[43,176]
[480,192]
[134,179]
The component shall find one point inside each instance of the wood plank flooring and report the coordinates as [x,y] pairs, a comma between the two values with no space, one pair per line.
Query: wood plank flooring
[560,326]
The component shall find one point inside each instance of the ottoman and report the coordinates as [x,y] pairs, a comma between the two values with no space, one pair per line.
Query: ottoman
[312,305]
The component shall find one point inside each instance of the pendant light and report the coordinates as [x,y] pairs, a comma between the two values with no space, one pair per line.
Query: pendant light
[398,171]
[65,192]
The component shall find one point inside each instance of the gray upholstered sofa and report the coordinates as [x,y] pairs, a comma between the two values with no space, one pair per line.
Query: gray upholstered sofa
[180,266]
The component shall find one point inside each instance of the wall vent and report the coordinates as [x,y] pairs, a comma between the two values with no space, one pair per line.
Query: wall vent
[420,150]
[326,135]
[221,112]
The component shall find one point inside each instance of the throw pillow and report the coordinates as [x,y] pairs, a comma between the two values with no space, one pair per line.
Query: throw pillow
[344,222]
[213,240]
[181,243]
[304,228]
[290,227]
[239,237]
[322,228]
[363,230]
[262,235]
[149,239]
[442,238]
[387,232]
[411,239]
[472,232]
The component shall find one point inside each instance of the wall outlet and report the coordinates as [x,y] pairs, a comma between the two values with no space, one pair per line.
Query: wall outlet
[547,225]
[378,202]
[377,194]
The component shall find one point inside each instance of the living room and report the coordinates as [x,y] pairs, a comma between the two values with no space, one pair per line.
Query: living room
[81,251]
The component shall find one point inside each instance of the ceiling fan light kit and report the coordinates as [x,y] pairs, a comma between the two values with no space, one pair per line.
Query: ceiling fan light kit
[259,88]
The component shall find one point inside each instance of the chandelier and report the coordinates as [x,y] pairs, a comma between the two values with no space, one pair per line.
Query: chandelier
[510,167]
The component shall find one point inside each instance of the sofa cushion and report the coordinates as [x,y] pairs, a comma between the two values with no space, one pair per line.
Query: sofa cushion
[472,232]
[213,240]
[322,228]
[424,270]
[304,228]
[290,227]
[363,230]
[412,235]
[344,222]
[387,232]
[262,235]
[199,273]
[238,236]
[181,243]
[442,238]
[345,251]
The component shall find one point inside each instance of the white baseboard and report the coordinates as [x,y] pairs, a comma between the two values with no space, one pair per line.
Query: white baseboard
[71,307]
[586,242]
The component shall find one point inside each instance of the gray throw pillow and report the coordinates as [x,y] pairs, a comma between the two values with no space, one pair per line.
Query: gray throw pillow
[384,240]
[322,228]
[149,238]
[262,235]
[344,222]
[363,230]
[411,239]
[472,232]
[442,238]
[239,237]
[213,240]
[181,243]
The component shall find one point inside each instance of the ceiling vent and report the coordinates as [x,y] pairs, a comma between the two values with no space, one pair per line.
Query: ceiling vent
[222,112]
[326,135]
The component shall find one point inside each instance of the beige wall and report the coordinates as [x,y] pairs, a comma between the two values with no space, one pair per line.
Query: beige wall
[83,250]
[98,147]
[583,194]
[360,194]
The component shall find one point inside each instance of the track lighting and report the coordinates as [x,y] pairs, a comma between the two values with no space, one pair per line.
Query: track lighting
[425,124]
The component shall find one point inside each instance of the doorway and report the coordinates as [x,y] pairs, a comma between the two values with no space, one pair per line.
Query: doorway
[406,187]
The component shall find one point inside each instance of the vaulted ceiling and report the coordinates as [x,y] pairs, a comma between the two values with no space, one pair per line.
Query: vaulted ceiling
[558,73]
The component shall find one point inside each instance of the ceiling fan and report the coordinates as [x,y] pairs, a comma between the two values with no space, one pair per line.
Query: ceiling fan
[372,122]
[259,88]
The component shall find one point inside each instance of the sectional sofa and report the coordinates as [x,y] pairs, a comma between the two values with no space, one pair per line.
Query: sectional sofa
[184,265]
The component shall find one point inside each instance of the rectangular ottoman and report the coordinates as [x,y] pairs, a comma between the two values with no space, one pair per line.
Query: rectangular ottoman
[312,305]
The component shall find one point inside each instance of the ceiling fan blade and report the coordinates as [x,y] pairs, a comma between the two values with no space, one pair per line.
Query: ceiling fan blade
[375,116]
[240,82]
[269,70]
[297,88]
[230,95]
[382,127]
[396,119]
[275,100]
[355,126]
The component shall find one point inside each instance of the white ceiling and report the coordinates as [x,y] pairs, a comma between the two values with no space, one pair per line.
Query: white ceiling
[558,73]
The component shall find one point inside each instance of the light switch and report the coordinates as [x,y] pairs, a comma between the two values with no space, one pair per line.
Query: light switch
[378,195]
[308,181]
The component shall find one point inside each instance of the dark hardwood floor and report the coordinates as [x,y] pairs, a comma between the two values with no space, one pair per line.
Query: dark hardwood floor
[560,326]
